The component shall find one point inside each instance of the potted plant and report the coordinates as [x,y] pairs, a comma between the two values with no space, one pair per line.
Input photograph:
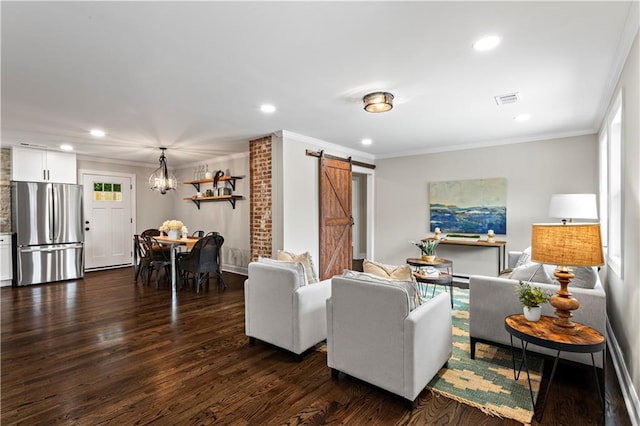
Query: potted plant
[428,248]
[531,298]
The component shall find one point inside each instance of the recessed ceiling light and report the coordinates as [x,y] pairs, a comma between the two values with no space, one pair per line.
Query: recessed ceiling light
[97,133]
[66,147]
[486,43]
[366,141]
[522,117]
[267,108]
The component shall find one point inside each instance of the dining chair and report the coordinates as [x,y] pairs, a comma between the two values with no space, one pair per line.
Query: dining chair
[144,259]
[201,261]
[159,259]
[198,234]
[151,232]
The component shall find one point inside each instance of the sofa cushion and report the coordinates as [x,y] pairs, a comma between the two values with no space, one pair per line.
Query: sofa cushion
[305,259]
[586,277]
[534,272]
[524,259]
[400,273]
[409,287]
[295,266]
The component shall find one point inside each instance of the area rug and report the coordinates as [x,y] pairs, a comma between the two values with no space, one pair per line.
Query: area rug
[487,382]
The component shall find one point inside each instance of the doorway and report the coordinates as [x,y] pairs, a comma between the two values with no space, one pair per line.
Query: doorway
[108,219]
[362,211]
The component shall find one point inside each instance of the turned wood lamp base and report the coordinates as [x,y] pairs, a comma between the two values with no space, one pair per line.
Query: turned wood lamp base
[564,303]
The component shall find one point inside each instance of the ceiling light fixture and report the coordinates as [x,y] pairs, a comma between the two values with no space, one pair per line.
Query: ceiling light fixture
[378,102]
[66,147]
[97,133]
[486,43]
[366,141]
[160,180]
[267,108]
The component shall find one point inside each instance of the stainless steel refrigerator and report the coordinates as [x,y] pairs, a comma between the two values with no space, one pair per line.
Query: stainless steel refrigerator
[48,232]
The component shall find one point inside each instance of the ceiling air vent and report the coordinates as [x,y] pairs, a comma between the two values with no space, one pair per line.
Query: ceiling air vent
[32,145]
[510,98]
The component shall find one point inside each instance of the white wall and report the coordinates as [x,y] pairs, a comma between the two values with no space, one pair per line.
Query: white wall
[220,216]
[623,295]
[534,171]
[296,195]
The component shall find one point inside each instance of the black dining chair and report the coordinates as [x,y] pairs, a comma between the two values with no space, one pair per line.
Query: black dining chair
[151,232]
[198,234]
[144,260]
[201,261]
[159,259]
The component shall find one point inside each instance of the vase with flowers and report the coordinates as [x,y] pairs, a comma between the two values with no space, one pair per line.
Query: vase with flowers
[427,248]
[172,228]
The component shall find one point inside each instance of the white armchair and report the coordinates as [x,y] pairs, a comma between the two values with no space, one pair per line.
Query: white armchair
[281,312]
[372,335]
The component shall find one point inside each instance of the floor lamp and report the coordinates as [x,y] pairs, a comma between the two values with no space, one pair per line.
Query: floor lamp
[567,244]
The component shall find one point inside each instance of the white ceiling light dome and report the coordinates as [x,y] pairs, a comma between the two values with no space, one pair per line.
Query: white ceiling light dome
[486,43]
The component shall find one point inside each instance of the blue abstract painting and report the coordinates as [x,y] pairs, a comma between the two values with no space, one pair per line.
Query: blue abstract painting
[468,206]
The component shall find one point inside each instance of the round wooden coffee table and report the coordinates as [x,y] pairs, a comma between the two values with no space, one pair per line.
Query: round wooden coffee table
[444,277]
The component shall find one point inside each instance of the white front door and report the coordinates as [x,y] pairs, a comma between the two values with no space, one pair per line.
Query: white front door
[108,220]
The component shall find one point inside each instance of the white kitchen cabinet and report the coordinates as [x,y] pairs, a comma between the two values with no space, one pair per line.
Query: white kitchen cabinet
[6,271]
[38,165]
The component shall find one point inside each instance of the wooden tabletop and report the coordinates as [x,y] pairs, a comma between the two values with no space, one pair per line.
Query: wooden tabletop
[189,241]
[417,261]
[544,333]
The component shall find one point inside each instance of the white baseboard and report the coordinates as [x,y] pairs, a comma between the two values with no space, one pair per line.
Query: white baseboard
[626,385]
[235,269]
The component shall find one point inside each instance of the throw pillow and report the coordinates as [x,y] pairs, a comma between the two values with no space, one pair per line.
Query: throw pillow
[409,287]
[534,272]
[305,259]
[525,258]
[399,273]
[296,266]
[586,277]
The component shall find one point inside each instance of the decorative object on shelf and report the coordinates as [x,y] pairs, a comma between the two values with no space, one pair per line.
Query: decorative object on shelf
[378,102]
[160,180]
[185,232]
[531,297]
[491,236]
[569,244]
[573,206]
[223,187]
[437,234]
[172,228]
[428,248]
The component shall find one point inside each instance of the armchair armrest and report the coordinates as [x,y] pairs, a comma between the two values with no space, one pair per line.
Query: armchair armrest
[309,307]
[428,343]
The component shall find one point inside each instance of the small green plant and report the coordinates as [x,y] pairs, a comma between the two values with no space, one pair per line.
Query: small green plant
[530,295]
[427,246]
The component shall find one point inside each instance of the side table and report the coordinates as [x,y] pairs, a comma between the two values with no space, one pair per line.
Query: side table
[541,333]
[444,277]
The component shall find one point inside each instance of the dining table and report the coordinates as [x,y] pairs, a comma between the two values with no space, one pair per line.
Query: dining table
[187,242]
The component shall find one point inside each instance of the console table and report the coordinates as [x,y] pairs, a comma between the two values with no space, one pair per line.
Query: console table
[499,245]
[542,333]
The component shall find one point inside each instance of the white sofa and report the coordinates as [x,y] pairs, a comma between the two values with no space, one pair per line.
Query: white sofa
[372,335]
[491,299]
[278,310]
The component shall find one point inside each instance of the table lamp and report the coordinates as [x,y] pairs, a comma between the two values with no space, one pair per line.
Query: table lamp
[565,245]
[573,206]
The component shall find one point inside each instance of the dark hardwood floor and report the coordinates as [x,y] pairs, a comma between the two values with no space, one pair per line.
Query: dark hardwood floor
[104,350]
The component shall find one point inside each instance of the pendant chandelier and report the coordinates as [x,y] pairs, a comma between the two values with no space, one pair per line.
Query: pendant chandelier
[160,180]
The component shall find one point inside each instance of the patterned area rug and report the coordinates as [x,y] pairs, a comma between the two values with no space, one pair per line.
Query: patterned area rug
[487,382]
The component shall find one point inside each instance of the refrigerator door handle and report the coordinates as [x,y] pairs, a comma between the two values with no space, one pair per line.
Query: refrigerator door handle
[49,249]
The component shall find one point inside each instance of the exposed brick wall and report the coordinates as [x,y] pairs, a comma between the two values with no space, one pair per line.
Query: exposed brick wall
[261,183]
[5,190]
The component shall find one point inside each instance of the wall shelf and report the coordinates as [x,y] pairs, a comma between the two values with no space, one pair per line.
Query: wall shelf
[230,198]
[196,183]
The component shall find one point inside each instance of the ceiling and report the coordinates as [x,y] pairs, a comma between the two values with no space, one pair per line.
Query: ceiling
[192,76]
